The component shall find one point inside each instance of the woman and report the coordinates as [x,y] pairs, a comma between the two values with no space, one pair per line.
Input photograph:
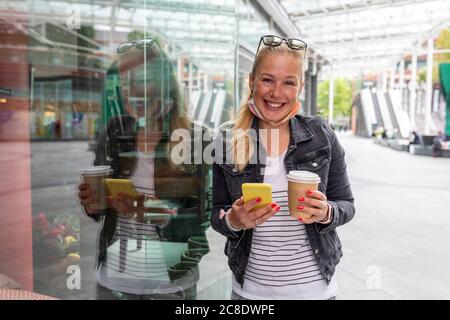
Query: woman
[141,252]
[271,255]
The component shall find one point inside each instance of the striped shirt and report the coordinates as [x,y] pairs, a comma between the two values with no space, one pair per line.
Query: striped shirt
[137,260]
[282,264]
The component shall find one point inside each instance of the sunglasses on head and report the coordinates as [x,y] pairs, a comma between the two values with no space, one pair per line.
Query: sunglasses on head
[274,41]
[139,44]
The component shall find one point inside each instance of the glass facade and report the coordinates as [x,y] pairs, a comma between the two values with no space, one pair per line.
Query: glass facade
[95,83]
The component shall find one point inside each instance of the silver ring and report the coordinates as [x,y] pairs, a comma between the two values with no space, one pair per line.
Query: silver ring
[257,223]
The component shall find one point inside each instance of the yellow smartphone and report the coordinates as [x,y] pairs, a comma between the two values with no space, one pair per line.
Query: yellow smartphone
[115,186]
[251,191]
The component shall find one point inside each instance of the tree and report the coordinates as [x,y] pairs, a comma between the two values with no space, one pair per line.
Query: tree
[442,42]
[342,98]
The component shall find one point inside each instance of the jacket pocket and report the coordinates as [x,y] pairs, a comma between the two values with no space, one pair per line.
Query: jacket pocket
[232,171]
[317,161]
[234,179]
[332,245]
[313,161]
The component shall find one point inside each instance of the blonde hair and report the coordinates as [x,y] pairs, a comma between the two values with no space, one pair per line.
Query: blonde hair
[242,146]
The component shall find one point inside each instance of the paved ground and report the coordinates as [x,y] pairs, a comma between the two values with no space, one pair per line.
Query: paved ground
[396,247]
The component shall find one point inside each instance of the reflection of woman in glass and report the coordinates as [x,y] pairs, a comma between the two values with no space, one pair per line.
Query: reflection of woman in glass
[149,248]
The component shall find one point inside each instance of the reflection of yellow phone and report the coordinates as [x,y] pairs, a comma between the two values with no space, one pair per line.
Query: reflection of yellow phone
[114,186]
[254,190]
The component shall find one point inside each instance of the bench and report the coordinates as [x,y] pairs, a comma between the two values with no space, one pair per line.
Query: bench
[396,144]
[421,150]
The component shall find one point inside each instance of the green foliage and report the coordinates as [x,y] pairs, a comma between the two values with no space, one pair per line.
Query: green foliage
[422,75]
[88,32]
[139,35]
[443,42]
[342,98]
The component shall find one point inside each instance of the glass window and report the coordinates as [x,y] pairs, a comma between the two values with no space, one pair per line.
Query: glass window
[70,103]
[131,91]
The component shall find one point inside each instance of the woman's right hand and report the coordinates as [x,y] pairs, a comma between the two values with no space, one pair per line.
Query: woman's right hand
[127,205]
[241,215]
[87,198]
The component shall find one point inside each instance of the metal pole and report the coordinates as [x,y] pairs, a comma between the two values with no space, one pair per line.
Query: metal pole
[205,82]
[190,84]
[392,78]
[180,69]
[429,88]
[331,98]
[313,90]
[412,88]
[199,84]
[401,81]
[236,56]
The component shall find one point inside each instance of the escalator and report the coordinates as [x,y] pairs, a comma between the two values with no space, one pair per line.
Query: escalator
[401,119]
[376,108]
[368,111]
[209,108]
[359,118]
[392,115]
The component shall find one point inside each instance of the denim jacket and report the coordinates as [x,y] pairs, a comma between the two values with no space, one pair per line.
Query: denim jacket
[313,147]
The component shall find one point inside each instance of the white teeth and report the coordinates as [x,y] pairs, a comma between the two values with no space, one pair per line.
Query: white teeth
[274,105]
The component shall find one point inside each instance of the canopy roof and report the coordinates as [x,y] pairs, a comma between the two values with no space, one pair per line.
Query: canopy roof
[203,30]
[367,35]
[353,36]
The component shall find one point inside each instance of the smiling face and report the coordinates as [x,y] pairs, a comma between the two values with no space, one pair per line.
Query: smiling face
[276,84]
[140,90]
[148,88]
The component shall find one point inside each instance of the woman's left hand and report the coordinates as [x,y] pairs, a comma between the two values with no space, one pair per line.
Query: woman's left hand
[317,207]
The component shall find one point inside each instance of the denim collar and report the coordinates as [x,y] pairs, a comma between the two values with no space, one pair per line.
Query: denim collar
[299,131]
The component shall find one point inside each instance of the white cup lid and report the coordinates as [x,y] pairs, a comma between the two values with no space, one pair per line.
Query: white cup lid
[303,176]
[97,170]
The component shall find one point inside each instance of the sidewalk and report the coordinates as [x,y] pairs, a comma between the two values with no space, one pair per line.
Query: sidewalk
[396,247]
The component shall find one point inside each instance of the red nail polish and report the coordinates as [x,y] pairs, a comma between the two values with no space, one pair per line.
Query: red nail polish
[300,207]
[273,205]
[278,208]
[309,193]
[300,219]
[301,199]
[258,199]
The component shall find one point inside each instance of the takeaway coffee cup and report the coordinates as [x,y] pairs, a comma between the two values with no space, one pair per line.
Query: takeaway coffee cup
[299,182]
[94,177]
